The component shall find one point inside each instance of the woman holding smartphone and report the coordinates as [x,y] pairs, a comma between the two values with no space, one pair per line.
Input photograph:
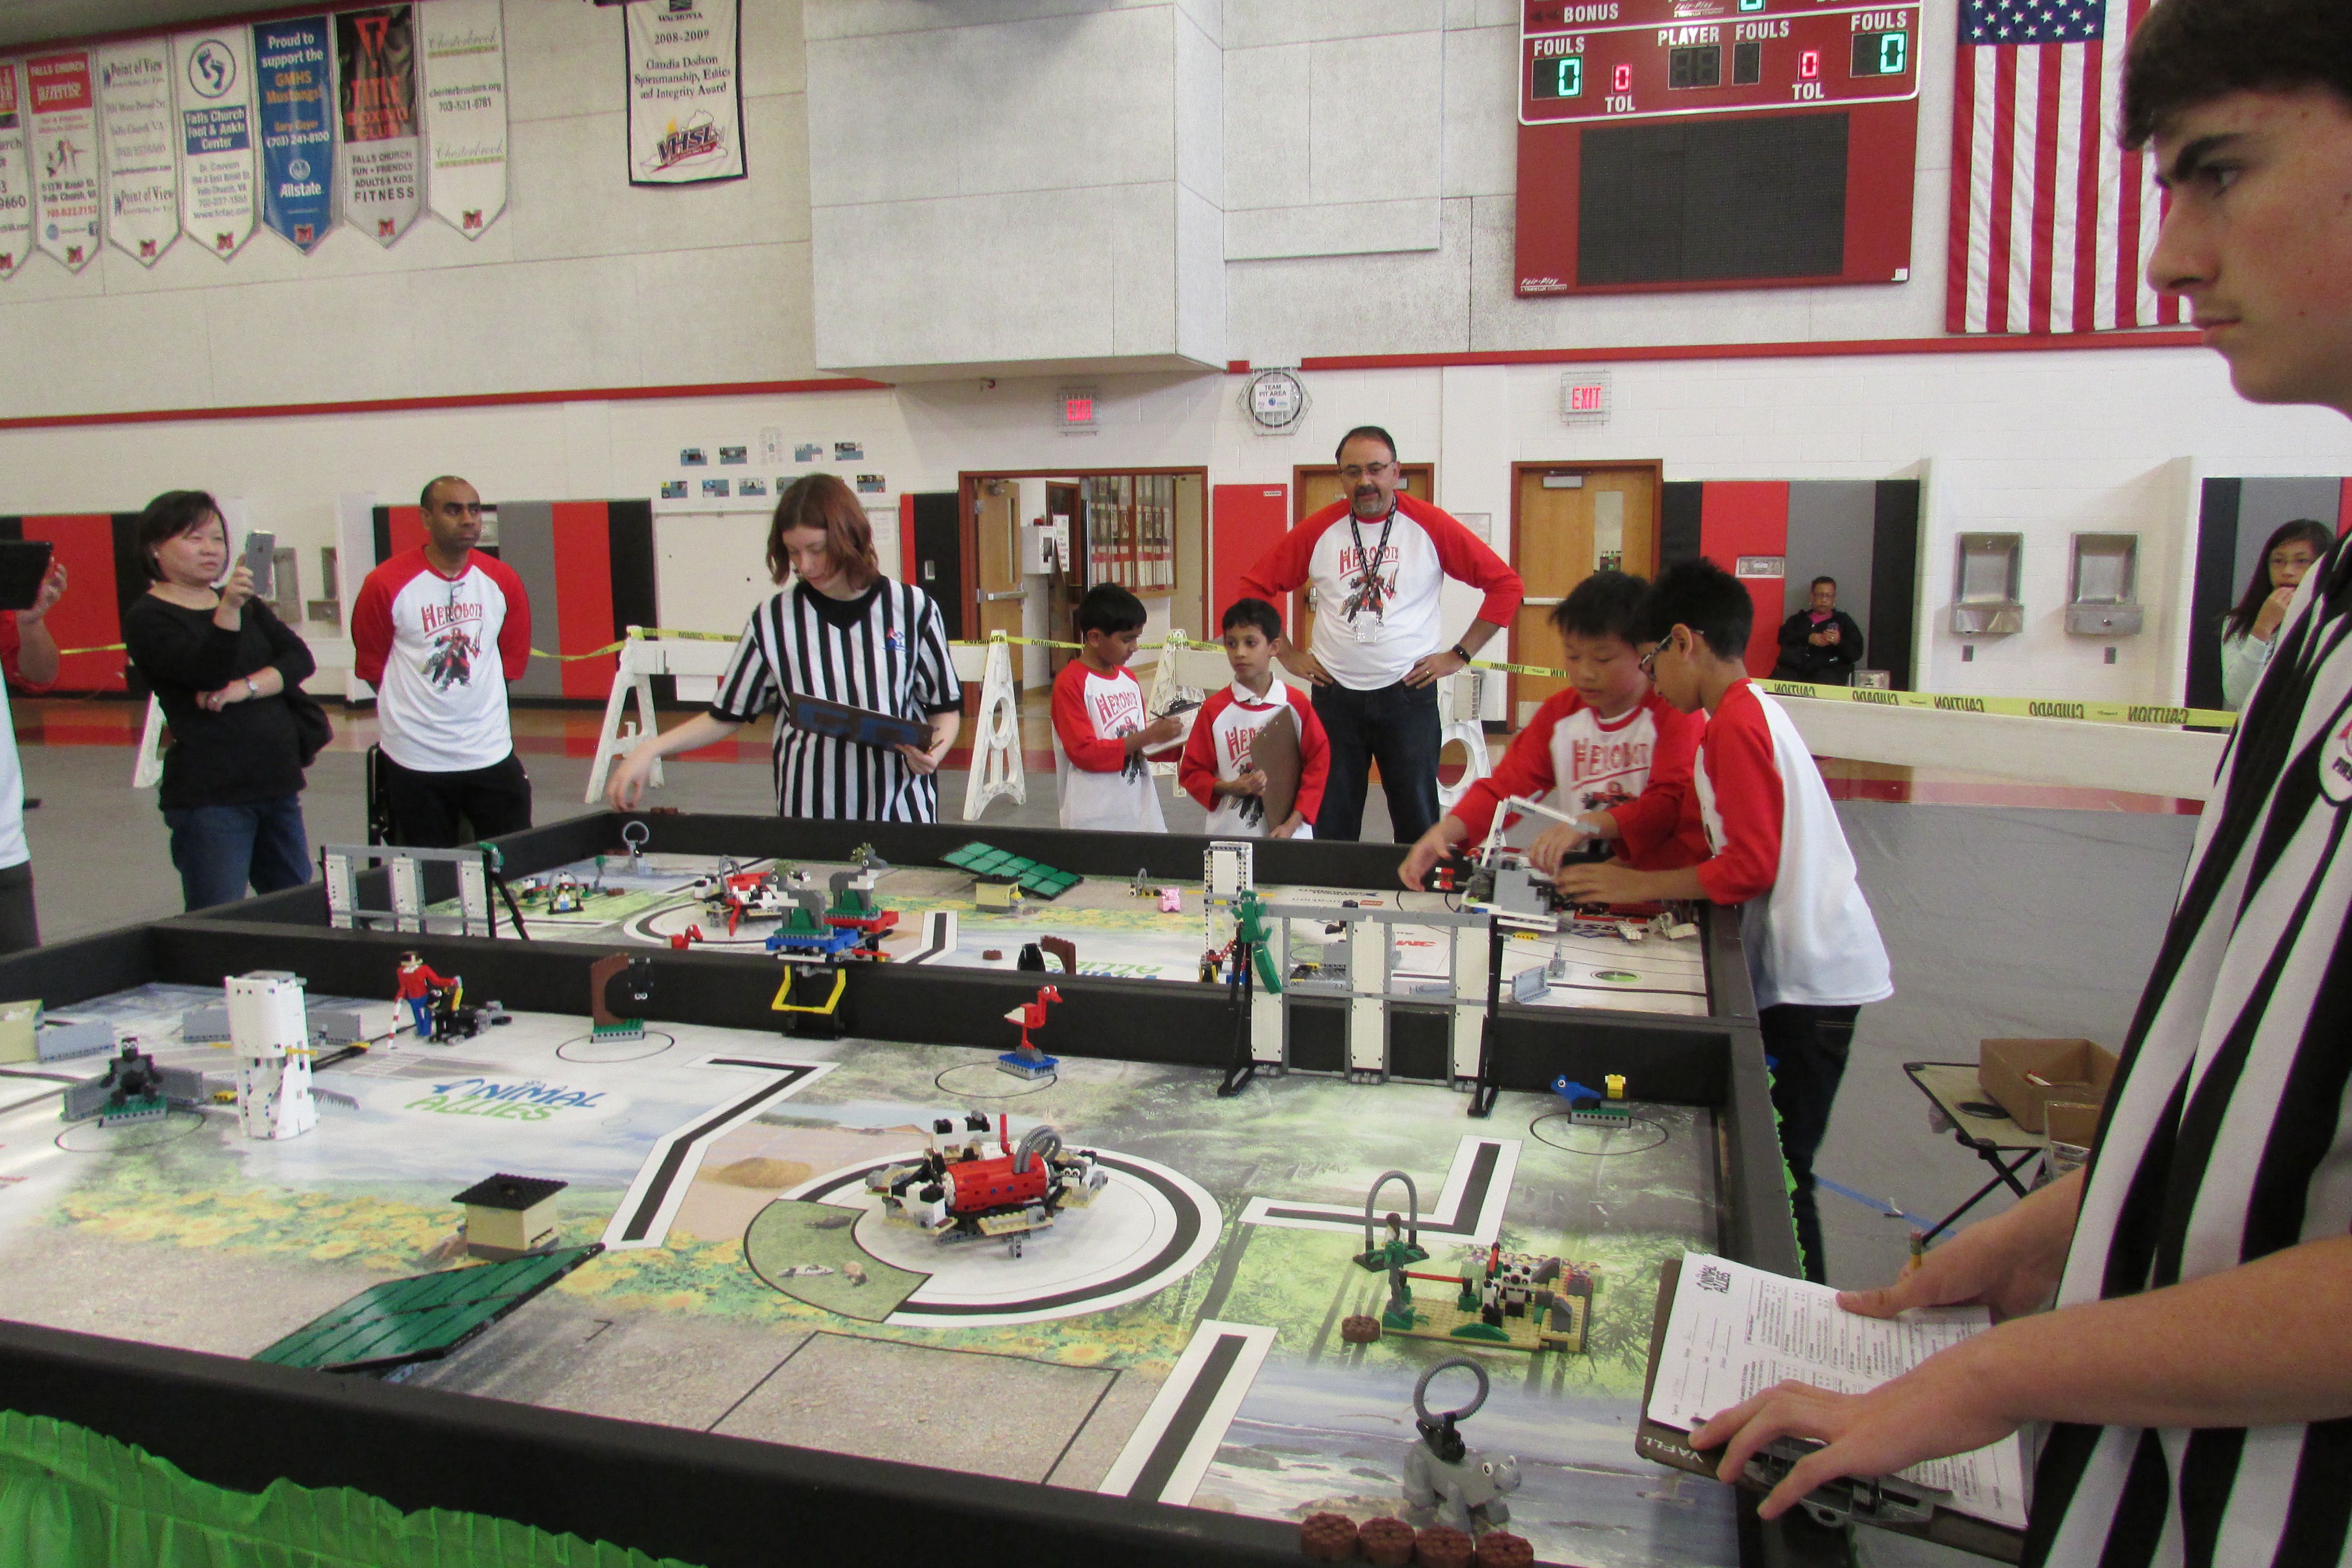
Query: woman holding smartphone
[221,664]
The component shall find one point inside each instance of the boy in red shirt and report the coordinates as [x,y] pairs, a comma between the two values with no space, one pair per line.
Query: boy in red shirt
[1813,951]
[1217,770]
[1611,751]
[1099,724]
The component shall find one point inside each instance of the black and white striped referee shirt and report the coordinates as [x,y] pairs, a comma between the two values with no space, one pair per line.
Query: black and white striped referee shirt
[2229,1134]
[886,649]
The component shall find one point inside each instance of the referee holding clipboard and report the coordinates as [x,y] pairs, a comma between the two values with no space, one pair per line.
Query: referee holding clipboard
[838,630]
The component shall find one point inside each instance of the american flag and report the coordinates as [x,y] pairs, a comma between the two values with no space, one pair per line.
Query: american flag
[2052,222]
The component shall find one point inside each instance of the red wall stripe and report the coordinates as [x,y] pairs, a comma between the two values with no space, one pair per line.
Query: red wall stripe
[906,537]
[2344,508]
[1972,343]
[582,611]
[1749,517]
[88,616]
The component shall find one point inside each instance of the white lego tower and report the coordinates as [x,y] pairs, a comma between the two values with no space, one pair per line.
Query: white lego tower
[269,1029]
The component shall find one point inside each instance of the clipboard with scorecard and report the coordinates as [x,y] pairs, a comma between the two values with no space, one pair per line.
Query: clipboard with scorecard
[1886,1502]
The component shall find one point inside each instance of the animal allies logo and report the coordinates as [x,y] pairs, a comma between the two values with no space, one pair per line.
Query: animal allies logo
[532,1100]
[2336,766]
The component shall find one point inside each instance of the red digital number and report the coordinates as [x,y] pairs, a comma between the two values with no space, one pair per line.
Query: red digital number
[1809,64]
[1625,80]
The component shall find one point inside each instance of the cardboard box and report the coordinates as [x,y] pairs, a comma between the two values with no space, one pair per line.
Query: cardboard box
[2070,1122]
[2075,1070]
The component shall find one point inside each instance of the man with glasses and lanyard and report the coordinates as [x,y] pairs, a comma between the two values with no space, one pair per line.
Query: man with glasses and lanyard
[439,631]
[1378,561]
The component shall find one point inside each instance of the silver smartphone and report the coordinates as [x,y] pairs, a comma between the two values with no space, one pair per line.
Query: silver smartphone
[259,548]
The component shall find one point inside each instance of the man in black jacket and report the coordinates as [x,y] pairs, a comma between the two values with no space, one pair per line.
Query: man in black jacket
[1820,644]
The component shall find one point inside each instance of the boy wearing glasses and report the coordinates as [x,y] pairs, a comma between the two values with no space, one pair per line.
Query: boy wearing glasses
[1777,851]
[1378,561]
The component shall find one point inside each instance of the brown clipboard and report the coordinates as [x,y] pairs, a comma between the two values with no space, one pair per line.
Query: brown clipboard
[1670,1446]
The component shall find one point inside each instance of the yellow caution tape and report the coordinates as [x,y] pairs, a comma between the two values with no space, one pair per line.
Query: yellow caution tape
[2153,713]
[104,648]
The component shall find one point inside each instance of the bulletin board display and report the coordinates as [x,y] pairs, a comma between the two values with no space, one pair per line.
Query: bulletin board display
[1687,144]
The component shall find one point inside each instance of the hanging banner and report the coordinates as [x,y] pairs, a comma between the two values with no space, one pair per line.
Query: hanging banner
[298,131]
[142,178]
[464,45]
[15,181]
[215,87]
[375,91]
[686,92]
[64,137]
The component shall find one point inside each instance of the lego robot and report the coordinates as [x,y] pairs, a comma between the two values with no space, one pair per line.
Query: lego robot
[958,1195]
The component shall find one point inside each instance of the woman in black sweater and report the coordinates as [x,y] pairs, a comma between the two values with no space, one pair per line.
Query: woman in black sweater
[221,665]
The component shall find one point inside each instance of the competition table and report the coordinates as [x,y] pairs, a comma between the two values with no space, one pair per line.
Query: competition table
[1257,1195]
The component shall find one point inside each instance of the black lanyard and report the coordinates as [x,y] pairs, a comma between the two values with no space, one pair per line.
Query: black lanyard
[1370,594]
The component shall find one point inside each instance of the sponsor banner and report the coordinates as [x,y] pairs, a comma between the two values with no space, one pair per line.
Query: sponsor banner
[63,131]
[16,177]
[216,182]
[298,131]
[142,178]
[465,51]
[375,91]
[686,92]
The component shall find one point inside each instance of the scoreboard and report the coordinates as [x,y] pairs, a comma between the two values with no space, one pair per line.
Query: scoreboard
[1715,143]
[1760,54]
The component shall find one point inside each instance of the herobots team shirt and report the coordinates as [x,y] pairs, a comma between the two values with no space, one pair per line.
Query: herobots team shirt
[1219,748]
[1782,856]
[1636,768]
[440,651]
[1102,787]
[1376,604]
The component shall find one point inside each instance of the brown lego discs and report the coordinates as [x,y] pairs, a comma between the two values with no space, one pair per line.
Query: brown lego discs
[992,954]
[1387,1542]
[1501,1549]
[1328,1538]
[1441,1547]
[1360,1330]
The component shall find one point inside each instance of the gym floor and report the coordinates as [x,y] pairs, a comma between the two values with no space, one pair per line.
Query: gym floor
[2002,919]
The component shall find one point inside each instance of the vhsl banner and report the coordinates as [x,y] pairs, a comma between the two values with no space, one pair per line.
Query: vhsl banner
[298,136]
[216,138]
[376,84]
[465,112]
[15,183]
[64,156]
[686,92]
[142,179]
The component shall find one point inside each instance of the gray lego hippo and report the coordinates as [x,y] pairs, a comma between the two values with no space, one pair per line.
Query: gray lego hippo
[1446,1481]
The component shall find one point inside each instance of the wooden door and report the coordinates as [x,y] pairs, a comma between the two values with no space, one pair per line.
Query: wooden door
[1570,520]
[1312,490]
[1000,589]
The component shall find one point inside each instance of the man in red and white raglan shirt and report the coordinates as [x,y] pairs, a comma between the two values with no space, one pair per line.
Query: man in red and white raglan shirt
[439,631]
[1608,750]
[1378,561]
[1219,769]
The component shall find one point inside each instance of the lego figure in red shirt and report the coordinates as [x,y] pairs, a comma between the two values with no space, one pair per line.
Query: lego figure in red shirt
[1814,956]
[1218,769]
[417,982]
[1609,750]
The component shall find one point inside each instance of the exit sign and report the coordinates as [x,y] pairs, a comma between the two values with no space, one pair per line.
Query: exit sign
[1584,397]
[1075,409]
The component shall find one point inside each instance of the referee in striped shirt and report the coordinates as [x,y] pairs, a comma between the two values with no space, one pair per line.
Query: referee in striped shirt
[2194,1384]
[840,630]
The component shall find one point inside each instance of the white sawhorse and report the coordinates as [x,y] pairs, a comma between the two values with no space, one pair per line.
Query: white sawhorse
[697,667]
[1458,701]
[996,734]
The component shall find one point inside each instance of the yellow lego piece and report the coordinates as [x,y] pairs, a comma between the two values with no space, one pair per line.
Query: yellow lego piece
[1616,1085]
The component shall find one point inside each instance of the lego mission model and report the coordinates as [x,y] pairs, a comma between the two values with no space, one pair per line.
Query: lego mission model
[959,1193]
